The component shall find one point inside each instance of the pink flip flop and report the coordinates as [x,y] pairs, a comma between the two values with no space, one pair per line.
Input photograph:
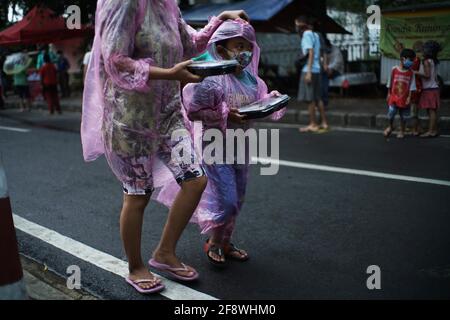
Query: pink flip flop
[135,284]
[172,271]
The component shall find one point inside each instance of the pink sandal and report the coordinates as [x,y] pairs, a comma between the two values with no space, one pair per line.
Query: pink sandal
[171,271]
[135,285]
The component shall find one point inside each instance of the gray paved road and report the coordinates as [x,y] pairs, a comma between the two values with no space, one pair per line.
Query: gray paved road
[311,234]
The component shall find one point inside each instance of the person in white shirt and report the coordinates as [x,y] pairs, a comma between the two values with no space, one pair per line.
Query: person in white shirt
[310,81]
[430,96]
[86,59]
[333,66]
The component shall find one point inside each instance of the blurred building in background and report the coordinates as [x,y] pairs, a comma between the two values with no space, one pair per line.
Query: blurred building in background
[274,23]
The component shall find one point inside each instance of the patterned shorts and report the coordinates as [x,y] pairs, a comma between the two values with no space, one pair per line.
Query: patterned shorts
[137,173]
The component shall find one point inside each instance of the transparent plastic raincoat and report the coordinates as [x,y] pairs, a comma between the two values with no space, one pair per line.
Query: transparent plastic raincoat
[210,102]
[127,116]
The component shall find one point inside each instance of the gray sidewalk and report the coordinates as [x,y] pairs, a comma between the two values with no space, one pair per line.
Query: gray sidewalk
[342,112]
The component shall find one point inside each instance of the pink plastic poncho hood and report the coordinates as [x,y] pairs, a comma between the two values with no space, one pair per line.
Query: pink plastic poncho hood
[234,29]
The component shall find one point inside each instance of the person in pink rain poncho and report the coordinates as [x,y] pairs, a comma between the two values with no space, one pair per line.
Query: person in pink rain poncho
[131,106]
[214,102]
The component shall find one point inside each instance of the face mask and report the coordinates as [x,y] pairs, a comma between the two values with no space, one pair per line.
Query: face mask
[244,58]
[408,64]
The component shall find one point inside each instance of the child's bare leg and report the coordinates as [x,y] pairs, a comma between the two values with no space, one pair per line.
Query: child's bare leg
[433,122]
[312,119]
[388,131]
[432,130]
[416,126]
[323,117]
[216,238]
[391,116]
[179,215]
[416,129]
[131,220]
[312,114]
[238,253]
[22,105]
[401,134]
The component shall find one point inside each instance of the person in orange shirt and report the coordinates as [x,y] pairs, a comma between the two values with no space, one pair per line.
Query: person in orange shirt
[49,79]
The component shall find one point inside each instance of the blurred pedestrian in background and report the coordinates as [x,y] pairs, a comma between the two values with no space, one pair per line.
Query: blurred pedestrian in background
[2,84]
[22,88]
[49,79]
[2,97]
[401,84]
[415,96]
[430,97]
[63,74]
[310,81]
[40,57]
[333,66]
[46,49]
[86,58]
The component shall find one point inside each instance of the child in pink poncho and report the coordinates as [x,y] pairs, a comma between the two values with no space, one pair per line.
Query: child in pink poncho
[131,107]
[214,102]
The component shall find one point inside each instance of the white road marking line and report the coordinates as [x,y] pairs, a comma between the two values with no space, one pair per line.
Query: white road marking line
[310,166]
[173,291]
[15,129]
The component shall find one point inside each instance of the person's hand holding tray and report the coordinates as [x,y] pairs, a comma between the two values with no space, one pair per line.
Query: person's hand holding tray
[213,68]
[265,107]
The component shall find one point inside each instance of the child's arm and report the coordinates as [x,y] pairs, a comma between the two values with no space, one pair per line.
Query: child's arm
[195,42]
[206,102]
[389,85]
[263,93]
[426,70]
[412,87]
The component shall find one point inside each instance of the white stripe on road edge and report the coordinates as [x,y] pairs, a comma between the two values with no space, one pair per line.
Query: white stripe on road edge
[174,290]
[310,166]
[14,129]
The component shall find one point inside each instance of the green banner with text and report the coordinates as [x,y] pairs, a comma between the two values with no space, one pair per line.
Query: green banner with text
[411,32]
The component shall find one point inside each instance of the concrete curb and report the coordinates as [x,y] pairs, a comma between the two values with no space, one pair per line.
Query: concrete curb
[357,120]
[71,106]
[44,284]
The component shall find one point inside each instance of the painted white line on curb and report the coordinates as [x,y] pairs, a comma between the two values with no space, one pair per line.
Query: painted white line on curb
[309,166]
[15,129]
[173,291]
